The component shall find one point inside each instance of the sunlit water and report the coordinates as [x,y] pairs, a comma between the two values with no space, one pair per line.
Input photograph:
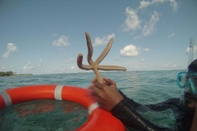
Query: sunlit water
[145,87]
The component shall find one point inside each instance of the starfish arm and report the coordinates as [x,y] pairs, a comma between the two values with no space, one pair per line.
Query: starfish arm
[82,66]
[95,65]
[111,67]
[98,75]
[105,52]
[90,49]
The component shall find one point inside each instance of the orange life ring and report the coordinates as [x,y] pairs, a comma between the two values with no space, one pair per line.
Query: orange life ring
[98,120]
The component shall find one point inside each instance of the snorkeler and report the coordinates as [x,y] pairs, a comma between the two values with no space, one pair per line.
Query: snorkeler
[124,108]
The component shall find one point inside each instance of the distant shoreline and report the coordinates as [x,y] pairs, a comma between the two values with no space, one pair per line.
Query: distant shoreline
[22,75]
[10,73]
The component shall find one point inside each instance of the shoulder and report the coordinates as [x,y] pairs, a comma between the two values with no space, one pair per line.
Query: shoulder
[168,104]
[172,100]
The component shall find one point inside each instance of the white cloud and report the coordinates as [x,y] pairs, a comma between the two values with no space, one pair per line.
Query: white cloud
[130,50]
[132,21]
[142,60]
[169,65]
[171,35]
[174,4]
[62,41]
[149,27]
[29,66]
[144,4]
[6,54]
[40,62]
[72,67]
[10,48]
[54,35]
[69,60]
[174,65]
[146,49]
[2,67]
[137,37]
[104,40]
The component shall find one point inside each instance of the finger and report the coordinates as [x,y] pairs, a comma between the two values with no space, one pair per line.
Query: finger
[109,81]
[104,81]
[92,93]
[89,87]
[94,80]
[94,96]
[95,90]
[99,85]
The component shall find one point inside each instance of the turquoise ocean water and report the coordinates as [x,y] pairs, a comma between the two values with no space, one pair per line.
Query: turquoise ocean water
[146,87]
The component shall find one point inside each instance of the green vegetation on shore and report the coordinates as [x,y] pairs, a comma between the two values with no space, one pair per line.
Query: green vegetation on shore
[11,73]
[7,73]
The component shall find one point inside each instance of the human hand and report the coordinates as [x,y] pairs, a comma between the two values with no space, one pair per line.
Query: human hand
[107,82]
[106,93]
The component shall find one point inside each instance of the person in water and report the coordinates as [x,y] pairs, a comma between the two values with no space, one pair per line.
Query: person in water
[124,108]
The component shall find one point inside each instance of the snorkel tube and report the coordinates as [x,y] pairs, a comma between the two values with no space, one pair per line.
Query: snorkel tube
[191,50]
[192,67]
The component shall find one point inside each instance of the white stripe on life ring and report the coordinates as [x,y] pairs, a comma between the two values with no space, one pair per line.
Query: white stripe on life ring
[6,98]
[92,107]
[58,92]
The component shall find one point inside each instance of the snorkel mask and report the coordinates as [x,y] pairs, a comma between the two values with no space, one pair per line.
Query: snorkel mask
[188,81]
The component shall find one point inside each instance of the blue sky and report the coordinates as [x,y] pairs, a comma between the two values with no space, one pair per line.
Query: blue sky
[45,36]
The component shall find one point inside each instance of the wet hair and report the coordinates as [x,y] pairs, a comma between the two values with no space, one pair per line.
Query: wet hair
[193,66]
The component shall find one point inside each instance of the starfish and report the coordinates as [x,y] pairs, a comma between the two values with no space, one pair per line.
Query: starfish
[95,65]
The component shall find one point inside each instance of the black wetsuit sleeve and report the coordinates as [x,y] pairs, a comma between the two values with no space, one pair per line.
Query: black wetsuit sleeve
[132,120]
[131,102]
